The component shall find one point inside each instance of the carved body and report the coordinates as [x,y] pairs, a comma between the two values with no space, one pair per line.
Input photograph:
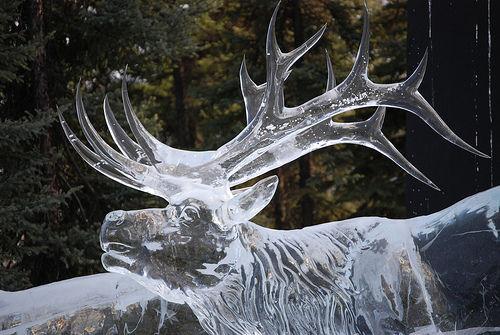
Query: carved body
[359,276]
[374,284]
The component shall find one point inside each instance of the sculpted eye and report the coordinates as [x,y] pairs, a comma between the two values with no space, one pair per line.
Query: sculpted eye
[189,213]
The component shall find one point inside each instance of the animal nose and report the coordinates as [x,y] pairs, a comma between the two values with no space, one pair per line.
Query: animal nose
[109,227]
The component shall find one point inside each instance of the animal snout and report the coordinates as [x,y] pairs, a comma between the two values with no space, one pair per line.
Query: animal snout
[110,229]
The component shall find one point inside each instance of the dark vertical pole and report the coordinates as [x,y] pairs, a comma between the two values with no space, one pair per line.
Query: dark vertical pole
[461,83]
[281,220]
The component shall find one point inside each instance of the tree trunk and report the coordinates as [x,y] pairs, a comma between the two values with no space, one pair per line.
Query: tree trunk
[306,202]
[41,95]
[41,103]
[279,201]
[184,132]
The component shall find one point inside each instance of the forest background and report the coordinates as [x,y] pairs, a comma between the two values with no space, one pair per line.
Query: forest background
[183,59]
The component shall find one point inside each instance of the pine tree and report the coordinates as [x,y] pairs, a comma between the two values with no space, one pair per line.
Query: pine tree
[52,205]
[26,198]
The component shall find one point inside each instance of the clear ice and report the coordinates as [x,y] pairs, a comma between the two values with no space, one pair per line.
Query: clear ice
[360,276]
[435,274]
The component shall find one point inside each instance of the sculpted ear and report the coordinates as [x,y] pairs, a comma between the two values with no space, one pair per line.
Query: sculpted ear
[250,201]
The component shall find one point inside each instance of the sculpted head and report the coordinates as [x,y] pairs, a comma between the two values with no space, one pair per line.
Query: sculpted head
[185,246]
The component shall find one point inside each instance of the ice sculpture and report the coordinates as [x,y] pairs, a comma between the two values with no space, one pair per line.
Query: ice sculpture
[99,304]
[361,276]
[376,275]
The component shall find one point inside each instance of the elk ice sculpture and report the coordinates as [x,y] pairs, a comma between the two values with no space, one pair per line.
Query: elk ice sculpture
[361,276]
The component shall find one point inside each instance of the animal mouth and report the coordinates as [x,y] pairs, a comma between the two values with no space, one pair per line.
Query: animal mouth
[116,247]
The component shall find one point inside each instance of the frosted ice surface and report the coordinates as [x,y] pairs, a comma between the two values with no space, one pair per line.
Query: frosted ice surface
[366,276]
[99,304]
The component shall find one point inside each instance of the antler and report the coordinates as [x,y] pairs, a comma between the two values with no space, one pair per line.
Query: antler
[274,135]
[367,133]
[277,134]
[147,165]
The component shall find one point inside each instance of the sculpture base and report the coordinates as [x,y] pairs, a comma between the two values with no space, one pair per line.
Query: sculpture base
[100,304]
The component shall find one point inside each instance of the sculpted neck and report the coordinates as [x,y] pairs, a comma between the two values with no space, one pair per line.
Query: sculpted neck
[306,274]
[290,255]
[334,239]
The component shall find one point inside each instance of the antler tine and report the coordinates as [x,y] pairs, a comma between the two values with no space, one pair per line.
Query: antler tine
[272,48]
[146,141]
[279,63]
[97,143]
[160,155]
[252,93]
[415,79]
[287,59]
[126,145]
[121,163]
[367,133]
[157,152]
[293,56]
[330,82]
[99,164]
[359,71]
[375,139]
[274,73]
[406,96]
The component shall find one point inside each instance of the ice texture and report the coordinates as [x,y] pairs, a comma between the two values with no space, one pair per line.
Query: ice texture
[426,275]
[99,304]
[361,276]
